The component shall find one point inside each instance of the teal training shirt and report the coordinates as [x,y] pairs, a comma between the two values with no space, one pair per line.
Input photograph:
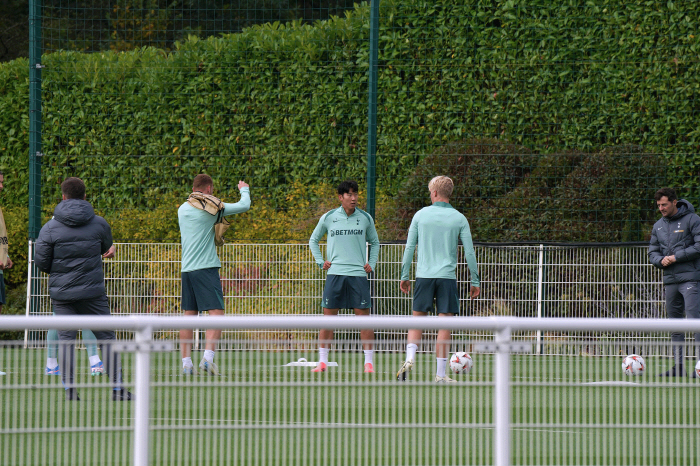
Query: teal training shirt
[436,230]
[347,242]
[197,233]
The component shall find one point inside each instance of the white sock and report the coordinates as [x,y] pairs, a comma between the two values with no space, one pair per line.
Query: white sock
[94,359]
[441,365]
[187,362]
[323,354]
[51,363]
[411,350]
[369,356]
[209,355]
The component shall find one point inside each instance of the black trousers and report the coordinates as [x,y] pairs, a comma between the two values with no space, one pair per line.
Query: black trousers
[683,301]
[94,306]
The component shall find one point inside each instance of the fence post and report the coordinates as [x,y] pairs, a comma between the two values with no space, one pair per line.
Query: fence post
[502,398]
[142,402]
[35,123]
[540,296]
[372,110]
[35,117]
[30,260]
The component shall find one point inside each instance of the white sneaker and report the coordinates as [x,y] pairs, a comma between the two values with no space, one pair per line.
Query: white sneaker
[405,368]
[2,373]
[209,368]
[445,379]
[97,369]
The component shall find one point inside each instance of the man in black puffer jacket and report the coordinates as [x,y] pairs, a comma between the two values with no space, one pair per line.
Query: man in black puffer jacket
[70,248]
[675,248]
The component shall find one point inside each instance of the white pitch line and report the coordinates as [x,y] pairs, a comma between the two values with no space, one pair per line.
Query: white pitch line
[613,383]
[572,432]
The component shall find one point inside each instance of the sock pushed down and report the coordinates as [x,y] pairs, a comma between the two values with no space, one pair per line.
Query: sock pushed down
[369,356]
[209,355]
[187,362]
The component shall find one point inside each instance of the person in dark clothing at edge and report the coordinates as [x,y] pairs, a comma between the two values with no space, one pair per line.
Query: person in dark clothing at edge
[70,248]
[675,248]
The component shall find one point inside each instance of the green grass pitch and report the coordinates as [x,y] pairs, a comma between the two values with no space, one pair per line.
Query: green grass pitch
[565,410]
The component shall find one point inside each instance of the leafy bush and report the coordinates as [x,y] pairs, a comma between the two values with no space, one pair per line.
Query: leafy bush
[483,171]
[509,194]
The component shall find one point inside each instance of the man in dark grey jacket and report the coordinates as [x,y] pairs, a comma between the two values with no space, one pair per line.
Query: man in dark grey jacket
[675,248]
[70,248]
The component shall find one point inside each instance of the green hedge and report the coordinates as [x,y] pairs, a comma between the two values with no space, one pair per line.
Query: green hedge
[14,131]
[279,104]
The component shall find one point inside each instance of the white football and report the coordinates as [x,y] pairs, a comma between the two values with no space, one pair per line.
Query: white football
[461,363]
[633,365]
[697,370]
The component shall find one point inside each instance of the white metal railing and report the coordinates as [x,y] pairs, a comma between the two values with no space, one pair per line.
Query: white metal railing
[504,329]
[283,279]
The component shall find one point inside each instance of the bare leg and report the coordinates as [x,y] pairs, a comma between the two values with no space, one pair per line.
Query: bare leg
[413,343]
[415,335]
[186,337]
[213,334]
[366,335]
[325,336]
[444,337]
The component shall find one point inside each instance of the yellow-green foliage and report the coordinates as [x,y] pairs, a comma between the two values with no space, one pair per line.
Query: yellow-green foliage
[16,221]
[293,221]
[136,225]
[248,272]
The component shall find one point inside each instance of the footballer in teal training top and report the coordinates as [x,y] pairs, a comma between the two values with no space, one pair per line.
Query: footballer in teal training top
[436,231]
[201,283]
[348,230]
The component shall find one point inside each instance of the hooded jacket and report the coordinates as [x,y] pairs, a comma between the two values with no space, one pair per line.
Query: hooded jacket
[70,247]
[678,235]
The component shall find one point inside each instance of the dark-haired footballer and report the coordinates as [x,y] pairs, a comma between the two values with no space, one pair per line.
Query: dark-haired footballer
[349,229]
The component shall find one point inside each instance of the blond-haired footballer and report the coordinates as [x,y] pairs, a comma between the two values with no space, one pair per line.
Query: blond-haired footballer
[435,230]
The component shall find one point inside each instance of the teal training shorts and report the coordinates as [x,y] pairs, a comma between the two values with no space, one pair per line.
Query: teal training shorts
[436,294]
[201,290]
[346,292]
